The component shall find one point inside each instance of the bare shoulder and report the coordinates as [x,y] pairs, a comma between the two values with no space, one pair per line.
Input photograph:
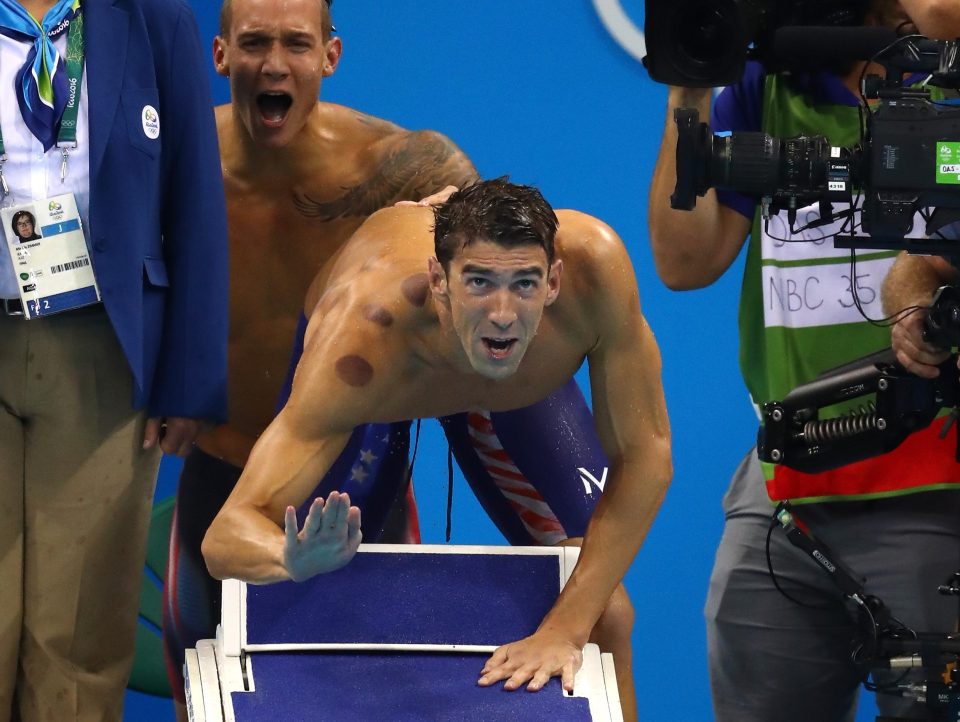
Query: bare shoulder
[358,338]
[385,236]
[395,228]
[391,244]
[418,163]
[598,286]
[588,245]
[379,137]
[366,128]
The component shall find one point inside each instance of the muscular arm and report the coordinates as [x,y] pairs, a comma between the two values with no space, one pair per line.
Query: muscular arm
[407,166]
[631,419]
[912,281]
[691,249]
[246,539]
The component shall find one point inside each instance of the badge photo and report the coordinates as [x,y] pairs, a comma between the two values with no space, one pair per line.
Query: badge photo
[23,225]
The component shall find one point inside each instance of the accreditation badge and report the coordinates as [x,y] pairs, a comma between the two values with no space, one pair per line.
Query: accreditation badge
[49,255]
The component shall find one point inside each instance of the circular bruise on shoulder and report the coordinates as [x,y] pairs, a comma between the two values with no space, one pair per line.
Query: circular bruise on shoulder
[354,370]
[415,289]
[377,314]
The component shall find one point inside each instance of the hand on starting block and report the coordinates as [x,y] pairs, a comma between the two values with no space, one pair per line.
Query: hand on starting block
[329,538]
[536,659]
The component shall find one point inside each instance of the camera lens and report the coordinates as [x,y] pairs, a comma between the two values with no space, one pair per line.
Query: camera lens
[707,36]
[705,31]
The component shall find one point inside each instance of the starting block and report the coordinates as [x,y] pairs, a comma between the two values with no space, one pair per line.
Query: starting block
[400,633]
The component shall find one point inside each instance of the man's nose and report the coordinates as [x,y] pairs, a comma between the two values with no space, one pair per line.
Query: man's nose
[275,62]
[502,313]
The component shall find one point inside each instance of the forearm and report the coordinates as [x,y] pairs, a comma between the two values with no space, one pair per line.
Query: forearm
[935,18]
[912,281]
[246,540]
[242,543]
[688,246]
[620,523]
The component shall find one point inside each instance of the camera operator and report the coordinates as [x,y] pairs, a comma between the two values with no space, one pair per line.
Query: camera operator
[769,657]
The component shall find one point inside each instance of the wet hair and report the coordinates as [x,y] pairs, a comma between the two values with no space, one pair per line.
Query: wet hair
[226,18]
[494,210]
[16,219]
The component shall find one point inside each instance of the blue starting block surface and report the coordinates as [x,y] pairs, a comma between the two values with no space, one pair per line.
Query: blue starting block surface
[360,687]
[400,633]
[408,598]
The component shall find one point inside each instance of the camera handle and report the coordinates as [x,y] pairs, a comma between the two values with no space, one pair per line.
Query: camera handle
[691,134]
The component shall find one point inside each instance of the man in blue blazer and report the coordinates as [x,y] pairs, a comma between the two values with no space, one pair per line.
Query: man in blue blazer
[91,395]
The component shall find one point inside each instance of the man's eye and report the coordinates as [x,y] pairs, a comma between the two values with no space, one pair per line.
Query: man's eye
[526,284]
[477,282]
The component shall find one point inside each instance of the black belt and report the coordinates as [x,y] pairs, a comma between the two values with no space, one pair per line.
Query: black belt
[11,307]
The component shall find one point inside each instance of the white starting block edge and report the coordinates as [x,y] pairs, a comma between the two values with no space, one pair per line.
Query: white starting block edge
[203,696]
[218,665]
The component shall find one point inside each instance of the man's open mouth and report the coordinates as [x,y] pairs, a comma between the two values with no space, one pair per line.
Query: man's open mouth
[273,107]
[499,347]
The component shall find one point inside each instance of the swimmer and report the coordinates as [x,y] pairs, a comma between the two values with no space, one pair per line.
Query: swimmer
[431,312]
[300,177]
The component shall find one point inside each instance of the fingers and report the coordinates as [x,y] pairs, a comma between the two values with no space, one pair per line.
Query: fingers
[498,657]
[314,521]
[435,199]
[290,530]
[502,666]
[532,661]
[540,678]
[330,518]
[568,673]
[354,534]
[175,435]
[151,433]
[175,439]
[914,354]
[334,517]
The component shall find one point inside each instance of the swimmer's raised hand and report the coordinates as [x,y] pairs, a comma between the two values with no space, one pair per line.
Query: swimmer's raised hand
[329,538]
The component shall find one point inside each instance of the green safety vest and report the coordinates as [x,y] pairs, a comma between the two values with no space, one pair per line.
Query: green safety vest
[798,318]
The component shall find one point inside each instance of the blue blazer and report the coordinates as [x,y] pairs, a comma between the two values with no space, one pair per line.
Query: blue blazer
[158,226]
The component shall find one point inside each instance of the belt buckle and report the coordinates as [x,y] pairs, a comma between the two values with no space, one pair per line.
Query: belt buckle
[12,306]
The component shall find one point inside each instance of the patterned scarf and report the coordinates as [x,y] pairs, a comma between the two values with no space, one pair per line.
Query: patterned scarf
[41,83]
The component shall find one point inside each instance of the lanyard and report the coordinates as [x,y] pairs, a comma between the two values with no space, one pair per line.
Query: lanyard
[67,134]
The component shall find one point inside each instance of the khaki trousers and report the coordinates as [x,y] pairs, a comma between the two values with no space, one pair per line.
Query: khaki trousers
[75,495]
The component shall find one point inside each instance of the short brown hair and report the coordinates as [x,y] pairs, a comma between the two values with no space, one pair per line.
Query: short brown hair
[226,17]
[497,211]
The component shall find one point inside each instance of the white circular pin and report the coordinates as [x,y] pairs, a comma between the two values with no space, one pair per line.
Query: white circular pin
[150,119]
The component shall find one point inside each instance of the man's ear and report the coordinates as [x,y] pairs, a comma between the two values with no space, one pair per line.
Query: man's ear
[331,57]
[438,278]
[553,281]
[220,63]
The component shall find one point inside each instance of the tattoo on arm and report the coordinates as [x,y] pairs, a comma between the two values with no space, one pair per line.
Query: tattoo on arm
[424,163]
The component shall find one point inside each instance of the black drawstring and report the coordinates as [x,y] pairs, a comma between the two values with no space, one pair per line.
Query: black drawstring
[449,490]
[413,459]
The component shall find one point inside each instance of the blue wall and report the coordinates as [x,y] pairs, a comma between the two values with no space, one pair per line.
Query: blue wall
[540,90]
